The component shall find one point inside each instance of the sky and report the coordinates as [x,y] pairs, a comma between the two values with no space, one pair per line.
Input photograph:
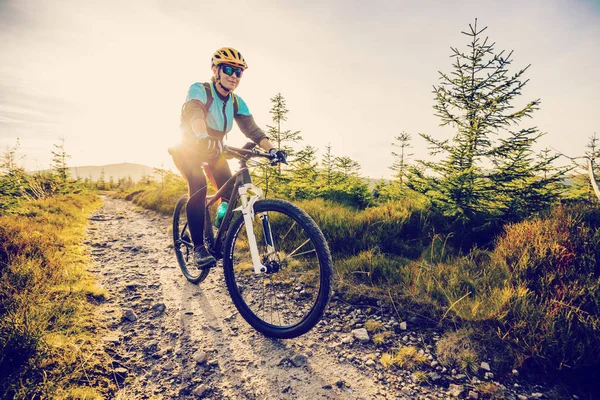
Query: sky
[111,76]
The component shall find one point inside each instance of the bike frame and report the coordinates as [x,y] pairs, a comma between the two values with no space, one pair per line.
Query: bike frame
[248,194]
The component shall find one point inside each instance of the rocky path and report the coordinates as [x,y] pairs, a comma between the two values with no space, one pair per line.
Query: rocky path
[170,339]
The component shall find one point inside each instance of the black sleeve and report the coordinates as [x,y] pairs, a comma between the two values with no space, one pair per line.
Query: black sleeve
[191,110]
[249,128]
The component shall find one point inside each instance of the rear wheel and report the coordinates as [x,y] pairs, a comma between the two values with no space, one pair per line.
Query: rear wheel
[290,297]
[184,247]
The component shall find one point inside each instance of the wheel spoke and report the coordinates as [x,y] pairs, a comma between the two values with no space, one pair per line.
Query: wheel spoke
[300,254]
[298,248]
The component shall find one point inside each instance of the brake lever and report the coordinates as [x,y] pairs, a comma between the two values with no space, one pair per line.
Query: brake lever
[276,161]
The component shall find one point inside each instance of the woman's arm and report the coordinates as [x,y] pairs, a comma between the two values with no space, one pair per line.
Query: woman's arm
[266,144]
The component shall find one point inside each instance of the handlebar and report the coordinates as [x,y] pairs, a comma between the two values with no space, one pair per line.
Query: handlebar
[247,152]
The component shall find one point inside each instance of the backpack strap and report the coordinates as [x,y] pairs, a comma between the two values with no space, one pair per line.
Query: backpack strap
[209,96]
[209,99]
[236,105]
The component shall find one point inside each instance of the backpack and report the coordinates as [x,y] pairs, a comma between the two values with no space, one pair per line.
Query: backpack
[209,99]
[184,123]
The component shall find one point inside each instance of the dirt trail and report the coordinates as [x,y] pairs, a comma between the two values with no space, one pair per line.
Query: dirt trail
[170,339]
[173,339]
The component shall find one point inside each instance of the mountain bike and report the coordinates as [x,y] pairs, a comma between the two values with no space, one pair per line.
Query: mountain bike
[276,261]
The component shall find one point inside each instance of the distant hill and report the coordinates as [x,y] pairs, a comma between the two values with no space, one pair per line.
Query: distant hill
[116,171]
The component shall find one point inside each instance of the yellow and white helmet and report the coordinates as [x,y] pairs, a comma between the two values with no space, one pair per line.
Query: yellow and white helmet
[228,55]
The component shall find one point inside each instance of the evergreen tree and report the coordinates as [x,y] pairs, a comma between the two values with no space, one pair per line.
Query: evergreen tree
[101,182]
[328,164]
[59,161]
[8,160]
[525,183]
[477,100]
[593,148]
[347,166]
[13,178]
[304,174]
[400,165]
[161,173]
[281,139]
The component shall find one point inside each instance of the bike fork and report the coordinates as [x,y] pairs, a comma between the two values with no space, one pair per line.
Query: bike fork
[248,213]
[264,217]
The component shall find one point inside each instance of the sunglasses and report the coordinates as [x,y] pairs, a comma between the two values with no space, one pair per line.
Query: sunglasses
[229,70]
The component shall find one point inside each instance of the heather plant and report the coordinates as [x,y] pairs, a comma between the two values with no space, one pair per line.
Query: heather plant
[555,274]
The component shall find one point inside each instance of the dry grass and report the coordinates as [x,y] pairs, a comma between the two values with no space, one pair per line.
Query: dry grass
[406,357]
[373,326]
[387,360]
[409,357]
[382,337]
[47,344]
[490,391]
[457,350]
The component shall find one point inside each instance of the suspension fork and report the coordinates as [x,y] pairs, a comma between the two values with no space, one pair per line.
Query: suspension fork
[248,213]
[264,217]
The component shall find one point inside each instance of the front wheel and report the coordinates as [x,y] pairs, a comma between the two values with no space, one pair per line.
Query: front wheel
[290,298]
[184,247]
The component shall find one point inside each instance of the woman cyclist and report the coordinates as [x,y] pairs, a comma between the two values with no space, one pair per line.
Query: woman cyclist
[206,117]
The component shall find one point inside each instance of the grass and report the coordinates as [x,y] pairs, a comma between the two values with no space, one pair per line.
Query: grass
[456,349]
[406,357]
[373,326]
[48,346]
[382,337]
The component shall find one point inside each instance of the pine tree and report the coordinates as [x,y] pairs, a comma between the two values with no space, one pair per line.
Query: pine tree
[477,99]
[347,166]
[524,183]
[283,140]
[400,164]
[8,160]
[59,161]
[12,177]
[101,182]
[304,174]
[328,164]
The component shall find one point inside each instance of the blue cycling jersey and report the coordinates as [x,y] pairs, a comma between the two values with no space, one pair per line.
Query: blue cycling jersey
[221,113]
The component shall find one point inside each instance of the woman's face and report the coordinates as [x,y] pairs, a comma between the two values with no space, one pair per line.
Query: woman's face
[229,82]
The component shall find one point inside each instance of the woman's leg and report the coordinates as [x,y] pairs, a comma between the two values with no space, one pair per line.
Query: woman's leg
[194,176]
[221,174]
[191,168]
